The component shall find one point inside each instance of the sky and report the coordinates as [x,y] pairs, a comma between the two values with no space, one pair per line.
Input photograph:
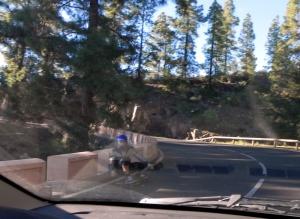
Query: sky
[262,12]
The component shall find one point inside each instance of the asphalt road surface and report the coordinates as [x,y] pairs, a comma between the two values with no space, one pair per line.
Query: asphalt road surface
[193,170]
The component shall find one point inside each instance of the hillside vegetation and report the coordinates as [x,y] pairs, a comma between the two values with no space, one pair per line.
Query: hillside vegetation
[76,64]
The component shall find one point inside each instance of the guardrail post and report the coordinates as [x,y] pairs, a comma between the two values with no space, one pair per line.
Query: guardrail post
[252,142]
[297,145]
[275,143]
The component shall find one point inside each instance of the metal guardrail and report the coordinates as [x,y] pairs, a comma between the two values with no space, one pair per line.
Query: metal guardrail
[274,141]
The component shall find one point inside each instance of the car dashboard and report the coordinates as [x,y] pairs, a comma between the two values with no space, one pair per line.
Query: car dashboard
[16,203]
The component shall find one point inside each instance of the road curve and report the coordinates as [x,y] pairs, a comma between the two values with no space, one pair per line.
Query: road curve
[192,170]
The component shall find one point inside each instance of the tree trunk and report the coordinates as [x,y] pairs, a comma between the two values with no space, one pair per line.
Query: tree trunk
[185,52]
[140,57]
[48,62]
[93,15]
[21,55]
[185,57]
[88,110]
[211,58]
[87,105]
[246,66]
[225,61]
[165,59]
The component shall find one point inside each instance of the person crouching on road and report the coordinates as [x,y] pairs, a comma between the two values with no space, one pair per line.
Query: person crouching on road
[125,157]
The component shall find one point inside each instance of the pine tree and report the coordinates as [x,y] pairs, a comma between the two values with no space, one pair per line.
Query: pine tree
[246,47]
[273,40]
[96,57]
[285,74]
[161,47]
[291,25]
[229,23]
[215,40]
[31,32]
[141,13]
[122,20]
[281,68]
[189,17]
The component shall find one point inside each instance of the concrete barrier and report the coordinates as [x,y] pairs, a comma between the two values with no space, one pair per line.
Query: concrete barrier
[29,171]
[103,159]
[79,165]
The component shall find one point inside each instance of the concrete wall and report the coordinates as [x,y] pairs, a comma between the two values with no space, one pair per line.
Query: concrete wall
[79,165]
[29,171]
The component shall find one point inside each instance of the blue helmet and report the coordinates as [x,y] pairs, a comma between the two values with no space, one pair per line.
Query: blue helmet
[122,138]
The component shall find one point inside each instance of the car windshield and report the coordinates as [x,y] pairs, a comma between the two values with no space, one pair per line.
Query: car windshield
[176,102]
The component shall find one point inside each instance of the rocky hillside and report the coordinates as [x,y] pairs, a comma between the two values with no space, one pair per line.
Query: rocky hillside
[231,110]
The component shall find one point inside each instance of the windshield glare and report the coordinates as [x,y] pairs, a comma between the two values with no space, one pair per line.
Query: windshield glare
[176,102]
